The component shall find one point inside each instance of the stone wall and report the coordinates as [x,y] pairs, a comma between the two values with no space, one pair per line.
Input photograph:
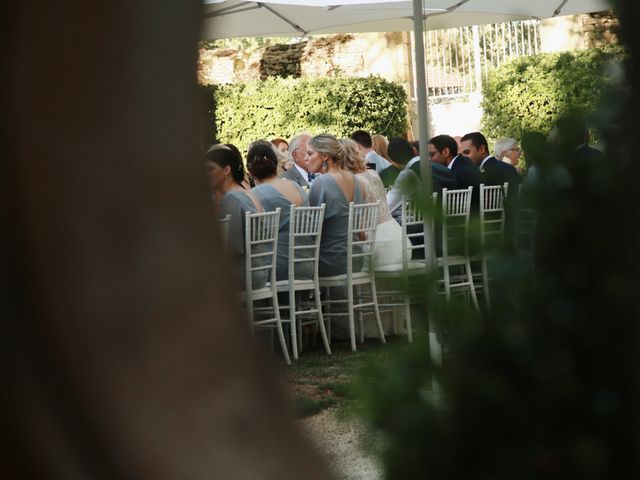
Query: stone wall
[384,54]
[578,31]
[600,29]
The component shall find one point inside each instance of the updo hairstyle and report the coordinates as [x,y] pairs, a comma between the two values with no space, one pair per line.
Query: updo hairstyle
[262,160]
[223,156]
[354,158]
[326,144]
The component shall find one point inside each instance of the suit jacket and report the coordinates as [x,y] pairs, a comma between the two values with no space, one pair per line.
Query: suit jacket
[441,177]
[468,175]
[588,169]
[496,172]
[294,174]
[389,175]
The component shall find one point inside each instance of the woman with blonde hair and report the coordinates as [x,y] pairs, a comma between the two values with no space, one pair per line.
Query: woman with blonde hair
[336,188]
[388,245]
[379,143]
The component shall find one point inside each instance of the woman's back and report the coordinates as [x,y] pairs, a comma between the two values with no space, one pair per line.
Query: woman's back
[282,194]
[237,203]
[335,194]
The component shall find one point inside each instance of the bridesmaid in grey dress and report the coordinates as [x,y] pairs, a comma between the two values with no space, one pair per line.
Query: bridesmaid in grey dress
[336,187]
[274,192]
[226,174]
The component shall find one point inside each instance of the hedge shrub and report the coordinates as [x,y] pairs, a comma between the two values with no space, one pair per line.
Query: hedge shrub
[530,93]
[282,107]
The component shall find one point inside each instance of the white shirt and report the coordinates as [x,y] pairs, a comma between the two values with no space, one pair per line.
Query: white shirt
[484,161]
[303,172]
[379,160]
[450,166]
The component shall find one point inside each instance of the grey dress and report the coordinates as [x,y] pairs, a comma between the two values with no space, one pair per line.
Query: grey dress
[333,245]
[271,199]
[237,204]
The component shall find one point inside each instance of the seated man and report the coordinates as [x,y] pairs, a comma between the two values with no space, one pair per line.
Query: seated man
[365,144]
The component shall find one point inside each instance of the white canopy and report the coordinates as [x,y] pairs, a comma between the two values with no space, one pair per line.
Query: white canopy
[238,18]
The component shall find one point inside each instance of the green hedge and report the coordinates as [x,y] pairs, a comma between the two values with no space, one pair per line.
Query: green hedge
[532,92]
[282,107]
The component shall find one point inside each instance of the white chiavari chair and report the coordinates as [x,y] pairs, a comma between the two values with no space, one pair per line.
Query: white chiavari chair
[261,243]
[361,232]
[305,231]
[456,210]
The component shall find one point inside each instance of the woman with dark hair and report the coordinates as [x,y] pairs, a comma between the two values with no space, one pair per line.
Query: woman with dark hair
[274,192]
[226,175]
[336,188]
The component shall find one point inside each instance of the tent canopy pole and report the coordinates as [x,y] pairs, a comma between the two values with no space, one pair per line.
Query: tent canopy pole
[423,124]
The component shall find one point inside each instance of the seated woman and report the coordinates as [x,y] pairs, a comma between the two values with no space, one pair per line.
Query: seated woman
[388,245]
[226,175]
[336,188]
[274,192]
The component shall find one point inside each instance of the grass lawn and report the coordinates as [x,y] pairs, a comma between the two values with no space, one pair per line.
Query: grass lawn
[318,381]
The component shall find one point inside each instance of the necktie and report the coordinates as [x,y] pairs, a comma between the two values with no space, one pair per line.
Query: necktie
[311,177]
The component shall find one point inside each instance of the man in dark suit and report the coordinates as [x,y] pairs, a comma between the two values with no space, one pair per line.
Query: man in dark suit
[297,150]
[587,166]
[443,150]
[408,183]
[494,171]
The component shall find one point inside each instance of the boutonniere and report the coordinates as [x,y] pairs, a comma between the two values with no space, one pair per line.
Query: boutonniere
[482,170]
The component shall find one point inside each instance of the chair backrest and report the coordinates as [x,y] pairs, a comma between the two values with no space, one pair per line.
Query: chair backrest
[492,215]
[261,242]
[223,224]
[456,207]
[305,233]
[361,237]
[413,216]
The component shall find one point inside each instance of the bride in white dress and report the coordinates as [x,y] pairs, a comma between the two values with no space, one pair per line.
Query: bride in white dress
[388,245]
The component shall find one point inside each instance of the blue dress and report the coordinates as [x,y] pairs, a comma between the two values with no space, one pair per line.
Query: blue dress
[333,245]
[271,199]
[236,204]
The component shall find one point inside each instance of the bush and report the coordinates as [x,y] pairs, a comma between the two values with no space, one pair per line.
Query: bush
[283,107]
[530,93]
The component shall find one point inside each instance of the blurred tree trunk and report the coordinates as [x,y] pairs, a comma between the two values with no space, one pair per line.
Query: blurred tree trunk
[123,352]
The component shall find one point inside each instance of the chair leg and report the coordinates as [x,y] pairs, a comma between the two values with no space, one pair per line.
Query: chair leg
[283,342]
[472,289]
[377,311]
[293,323]
[447,280]
[360,315]
[407,310]
[485,282]
[323,331]
[352,328]
[249,304]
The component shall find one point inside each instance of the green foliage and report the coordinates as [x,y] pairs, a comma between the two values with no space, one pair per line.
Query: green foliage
[530,93]
[283,107]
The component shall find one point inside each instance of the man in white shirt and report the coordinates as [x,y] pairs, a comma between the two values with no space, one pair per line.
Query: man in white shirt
[297,151]
[365,144]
